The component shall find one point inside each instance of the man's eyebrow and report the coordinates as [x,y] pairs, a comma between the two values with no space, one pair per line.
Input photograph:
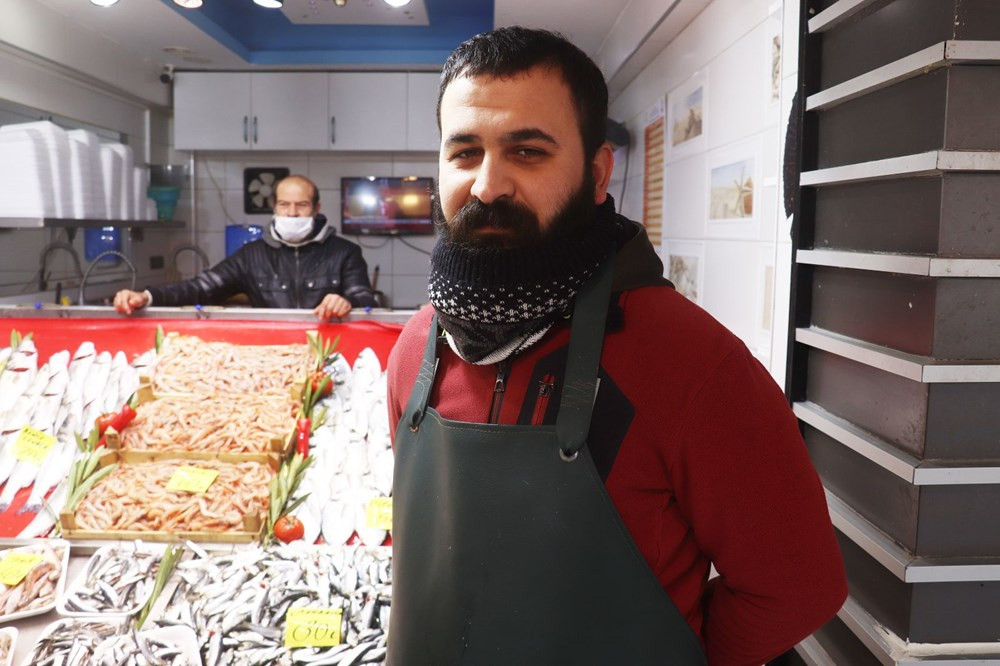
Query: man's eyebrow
[461,139]
[526,134]
[529,134]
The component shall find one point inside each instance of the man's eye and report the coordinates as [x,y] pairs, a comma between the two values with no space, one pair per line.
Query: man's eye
[467,154]
[528,151]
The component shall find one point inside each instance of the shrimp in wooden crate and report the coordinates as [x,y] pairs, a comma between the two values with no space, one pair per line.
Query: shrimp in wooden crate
[135,497]
[230,424]
[190,365]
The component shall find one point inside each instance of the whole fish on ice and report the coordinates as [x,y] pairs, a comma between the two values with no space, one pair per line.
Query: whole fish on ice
[18,375]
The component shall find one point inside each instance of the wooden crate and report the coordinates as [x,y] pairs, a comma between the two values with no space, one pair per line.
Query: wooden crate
[253,524]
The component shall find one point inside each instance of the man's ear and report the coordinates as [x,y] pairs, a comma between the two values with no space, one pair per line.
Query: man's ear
[601,167]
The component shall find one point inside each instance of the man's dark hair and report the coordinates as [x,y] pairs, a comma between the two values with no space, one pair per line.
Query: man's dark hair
[302,179]
[506,52]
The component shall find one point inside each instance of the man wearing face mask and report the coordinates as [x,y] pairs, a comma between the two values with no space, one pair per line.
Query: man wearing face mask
[577,444]
[300,263]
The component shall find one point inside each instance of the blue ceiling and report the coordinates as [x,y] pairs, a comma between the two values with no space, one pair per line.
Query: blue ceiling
[266,36]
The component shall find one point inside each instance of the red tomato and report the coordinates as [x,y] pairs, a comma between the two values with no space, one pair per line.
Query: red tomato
[104,421]
[317,379]
[289,528]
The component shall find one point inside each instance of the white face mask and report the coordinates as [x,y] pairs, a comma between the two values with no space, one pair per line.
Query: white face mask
[293,229]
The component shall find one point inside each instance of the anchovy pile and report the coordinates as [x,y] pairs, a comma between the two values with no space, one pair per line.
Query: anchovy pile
[117,579]
[142,648]
[71,643]
[237,602]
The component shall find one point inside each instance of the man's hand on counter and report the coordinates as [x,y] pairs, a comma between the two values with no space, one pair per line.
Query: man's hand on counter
[332,305]
[127,301]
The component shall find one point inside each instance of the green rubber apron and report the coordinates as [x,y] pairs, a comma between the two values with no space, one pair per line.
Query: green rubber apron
[507,548]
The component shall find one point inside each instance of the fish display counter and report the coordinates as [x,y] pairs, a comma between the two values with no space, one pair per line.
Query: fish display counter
[226,432]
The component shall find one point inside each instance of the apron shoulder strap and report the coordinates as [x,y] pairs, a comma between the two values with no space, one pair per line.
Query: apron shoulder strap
[584,360]
[416,407]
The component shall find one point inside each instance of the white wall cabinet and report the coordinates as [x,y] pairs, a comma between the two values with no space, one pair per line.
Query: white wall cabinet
[212,111]
[305,111]
[289,111]
[368,110]
[421,111]
[244,111]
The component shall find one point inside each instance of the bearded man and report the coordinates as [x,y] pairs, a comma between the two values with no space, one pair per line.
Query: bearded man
[578,444]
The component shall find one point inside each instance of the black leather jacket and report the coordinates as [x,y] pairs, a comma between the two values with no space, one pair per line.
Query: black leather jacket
[274,275]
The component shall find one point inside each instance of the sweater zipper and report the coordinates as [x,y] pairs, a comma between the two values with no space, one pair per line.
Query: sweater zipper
[499,386]
[542,403]
[298,298]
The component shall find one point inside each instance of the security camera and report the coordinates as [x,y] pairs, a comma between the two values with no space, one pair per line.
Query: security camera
[167,75]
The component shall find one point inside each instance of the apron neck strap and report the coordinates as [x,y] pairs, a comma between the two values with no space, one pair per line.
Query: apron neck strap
[417,405]
[583,360]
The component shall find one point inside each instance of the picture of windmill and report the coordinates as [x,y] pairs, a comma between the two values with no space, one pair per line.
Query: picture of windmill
[731,193]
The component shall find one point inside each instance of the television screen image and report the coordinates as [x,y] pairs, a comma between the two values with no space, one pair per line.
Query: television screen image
[386,206]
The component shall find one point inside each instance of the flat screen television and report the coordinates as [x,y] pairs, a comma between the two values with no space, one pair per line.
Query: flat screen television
[386,206]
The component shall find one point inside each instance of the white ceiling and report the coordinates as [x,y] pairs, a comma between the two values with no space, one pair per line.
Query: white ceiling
[146,27]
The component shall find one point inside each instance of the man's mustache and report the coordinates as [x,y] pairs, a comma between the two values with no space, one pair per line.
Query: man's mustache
[500,214]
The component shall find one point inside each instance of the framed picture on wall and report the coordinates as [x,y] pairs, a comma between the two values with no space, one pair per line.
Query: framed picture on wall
[733,191]
[686,126]
[685,265]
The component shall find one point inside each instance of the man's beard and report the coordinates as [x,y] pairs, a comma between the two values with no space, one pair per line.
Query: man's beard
[519,224]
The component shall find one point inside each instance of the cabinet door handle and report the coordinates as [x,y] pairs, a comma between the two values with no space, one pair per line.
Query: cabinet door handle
[255,129]
[333,129]
[246,136]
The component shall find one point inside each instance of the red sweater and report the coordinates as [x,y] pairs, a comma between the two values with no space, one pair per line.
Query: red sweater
[700,454]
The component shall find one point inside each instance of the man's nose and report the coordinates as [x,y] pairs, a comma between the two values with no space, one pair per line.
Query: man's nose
[492,182]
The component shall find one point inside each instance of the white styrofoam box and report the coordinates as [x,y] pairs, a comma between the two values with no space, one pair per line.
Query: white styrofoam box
[86,175]
[149,212]
[140,184]
[125,200]
[24,189]
[112,168]
[55,142]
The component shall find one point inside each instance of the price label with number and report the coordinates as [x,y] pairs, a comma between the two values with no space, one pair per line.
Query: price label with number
[33,445]
[378,515]
[15,566]
[312,627]
[191,479]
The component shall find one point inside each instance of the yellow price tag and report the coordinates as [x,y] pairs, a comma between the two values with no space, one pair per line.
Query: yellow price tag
[33,445]
[378,514]
[15,566]
[191,479]
[312,627]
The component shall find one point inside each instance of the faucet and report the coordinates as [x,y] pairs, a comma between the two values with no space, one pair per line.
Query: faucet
[83,282]
[190,247]
[43,259]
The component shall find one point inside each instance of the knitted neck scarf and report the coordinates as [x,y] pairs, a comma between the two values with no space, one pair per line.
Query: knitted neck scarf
[495,302]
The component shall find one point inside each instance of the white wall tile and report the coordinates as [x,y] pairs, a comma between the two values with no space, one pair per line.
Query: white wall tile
[327,169]
[731,286]
[377,251]
[737,91]
[684,197]
[408,292]
[412,256]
